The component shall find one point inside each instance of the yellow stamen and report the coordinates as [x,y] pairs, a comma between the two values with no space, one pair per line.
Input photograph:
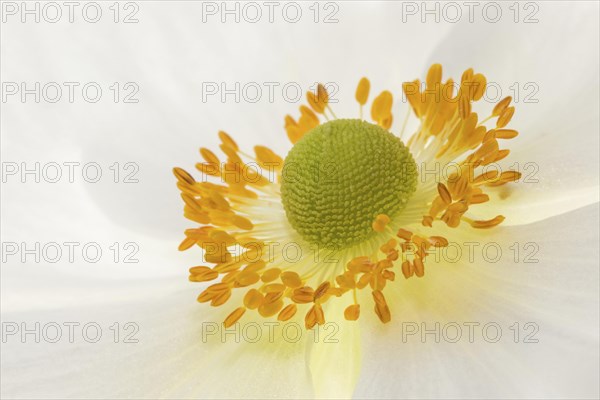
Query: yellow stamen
[381,110]
[352,312]
[233,204]
[487,224]
[501,106]
[234,317]
[288,312]
[319,100]
[362,93]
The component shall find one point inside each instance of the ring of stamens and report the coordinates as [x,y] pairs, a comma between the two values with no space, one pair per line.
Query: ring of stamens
[237,225]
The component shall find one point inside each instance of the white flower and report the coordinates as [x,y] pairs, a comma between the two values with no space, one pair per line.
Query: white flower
[558,216]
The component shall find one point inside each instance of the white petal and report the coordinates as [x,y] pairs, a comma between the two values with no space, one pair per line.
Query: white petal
[170,55]
[180,354]
[334,357]
[558,295]
[554,83]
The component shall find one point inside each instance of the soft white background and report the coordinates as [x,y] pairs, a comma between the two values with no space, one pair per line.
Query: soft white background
[169,53]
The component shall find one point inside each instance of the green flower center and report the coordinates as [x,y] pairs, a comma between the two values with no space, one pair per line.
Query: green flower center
[340,176]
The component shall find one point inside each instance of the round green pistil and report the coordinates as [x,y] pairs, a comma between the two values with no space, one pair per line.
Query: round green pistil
[340,176]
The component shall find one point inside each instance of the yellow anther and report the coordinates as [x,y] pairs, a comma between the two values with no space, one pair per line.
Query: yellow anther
[427,221]
[501,154]
[209,156]
[230,277]
[222,237]
[218,287]
[360,264]
[208,169]
[501,106]
[388,246]
[272,297]
[322,94]
[510,176]
[438,241]
[270,309]
[199,270]
[479,198]
[381,307]
[319,100]
[183,176]
[289,121]
[247,278]
[452,219]
[352,312]
[310,319]
[386,123]
[293,130]
[205,296]
[362,91]
[318,313]
[242,222]
[303,295]
[309,116]
[389,275]
[186,244]
[364,281]
[219,256]
[487,224]
[464,104]
[270,275]
[467,76]
[444,193]
[393,255]
[413,94]
[407,269]
[288,312]
[291,279]
[228,141]
[419,267]
[434,77]
[255,266]
[234,317]
[505,117]
[404,234]
[253,299]
[346,280]
[479,84]
[274,288]
[314,316]
[381,109]
[506,133]
[321,290]
[380,223]
[202,274]
[219,201]
[487,176]
[458,207]
[220,298]
[266,157]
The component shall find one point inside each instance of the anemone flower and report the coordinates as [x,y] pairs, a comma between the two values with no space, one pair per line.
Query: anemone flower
[421,236]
